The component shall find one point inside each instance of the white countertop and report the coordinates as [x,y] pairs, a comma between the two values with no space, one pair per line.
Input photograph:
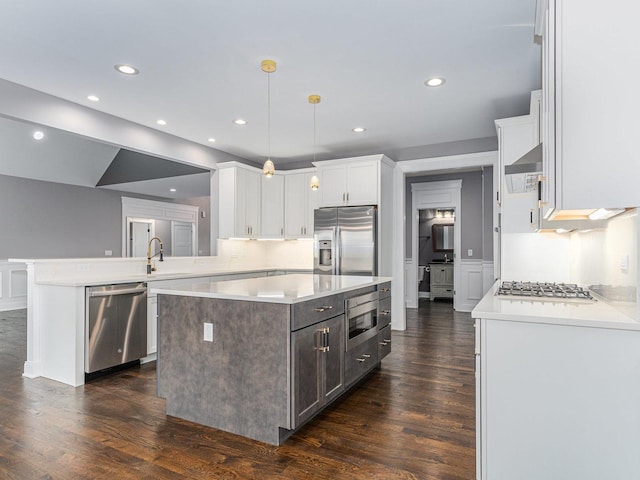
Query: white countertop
[596,314]
[287,289]
[109,279]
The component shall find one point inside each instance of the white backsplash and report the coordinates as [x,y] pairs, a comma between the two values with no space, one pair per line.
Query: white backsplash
[596,256]
[536,257]
[277,254]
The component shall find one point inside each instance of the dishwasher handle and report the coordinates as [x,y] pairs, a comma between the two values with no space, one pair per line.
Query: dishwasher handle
[122,291]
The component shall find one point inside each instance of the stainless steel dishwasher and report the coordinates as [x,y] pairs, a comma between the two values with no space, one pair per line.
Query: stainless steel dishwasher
[116,325]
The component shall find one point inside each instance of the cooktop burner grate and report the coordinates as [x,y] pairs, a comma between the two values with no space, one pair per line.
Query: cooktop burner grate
[544,290]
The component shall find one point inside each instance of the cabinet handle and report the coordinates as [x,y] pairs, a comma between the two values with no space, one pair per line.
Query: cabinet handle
[388,340]
[366,355]
[531,217]
[360,360]
[385,312]
[385,289]
[322,309]
[383,344]
[347,197]
[281,231]
[305,230]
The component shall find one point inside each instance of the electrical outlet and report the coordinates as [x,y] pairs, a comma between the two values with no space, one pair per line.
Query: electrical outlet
[208,332]
[470,252]
[108,253]
[624,262]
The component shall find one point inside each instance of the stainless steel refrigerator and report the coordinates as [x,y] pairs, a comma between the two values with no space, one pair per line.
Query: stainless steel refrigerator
[344,241]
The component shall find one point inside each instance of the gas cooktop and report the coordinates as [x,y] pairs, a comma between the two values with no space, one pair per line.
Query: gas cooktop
[542,291]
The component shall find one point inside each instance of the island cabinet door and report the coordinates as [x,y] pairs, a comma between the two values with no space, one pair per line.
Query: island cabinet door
[318,357]
[307,395]
[333,358]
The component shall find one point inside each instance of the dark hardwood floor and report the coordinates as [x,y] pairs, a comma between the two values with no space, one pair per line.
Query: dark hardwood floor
[412,419]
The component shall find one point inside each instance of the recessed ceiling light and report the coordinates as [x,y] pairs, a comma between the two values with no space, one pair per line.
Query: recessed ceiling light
[127,69]
[212,140]
[161,122]
[38,135]
[240,121]
[172,189]
[434,81]
[93,98]
[359,129]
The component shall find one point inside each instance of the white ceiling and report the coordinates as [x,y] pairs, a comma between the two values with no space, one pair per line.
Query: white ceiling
[200,69]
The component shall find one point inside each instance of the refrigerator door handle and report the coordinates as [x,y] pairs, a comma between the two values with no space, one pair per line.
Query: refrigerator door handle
[337,252]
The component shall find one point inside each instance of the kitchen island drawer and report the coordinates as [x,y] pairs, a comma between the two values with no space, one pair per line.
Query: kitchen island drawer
[384,342]
[384,290]
[360,360]
[384,313]
[313,311]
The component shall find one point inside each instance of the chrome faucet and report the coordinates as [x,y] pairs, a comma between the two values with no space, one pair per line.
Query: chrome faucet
[446,260]
[149,256]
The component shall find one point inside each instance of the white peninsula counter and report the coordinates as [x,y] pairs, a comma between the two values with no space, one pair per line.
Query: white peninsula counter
[557,389]
[259,357]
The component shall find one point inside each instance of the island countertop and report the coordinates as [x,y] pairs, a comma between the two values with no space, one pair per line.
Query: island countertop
[288,289]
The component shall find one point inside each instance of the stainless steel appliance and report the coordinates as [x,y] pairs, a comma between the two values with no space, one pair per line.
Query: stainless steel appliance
[116,325]
[545,291]
[361,318]
[344,241]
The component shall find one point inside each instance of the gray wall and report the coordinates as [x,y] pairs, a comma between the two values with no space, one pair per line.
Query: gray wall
[471,211]
[53,220]
[204,224]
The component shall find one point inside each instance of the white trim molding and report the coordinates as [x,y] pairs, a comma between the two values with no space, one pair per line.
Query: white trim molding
[139,208]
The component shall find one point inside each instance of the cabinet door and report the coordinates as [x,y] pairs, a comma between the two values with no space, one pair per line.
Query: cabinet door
[362,184]
[448,275]
[306,372]
[295,205]
[252,190]
[227,205]
[272,207]
[312,202]
[333,358]
[333,186]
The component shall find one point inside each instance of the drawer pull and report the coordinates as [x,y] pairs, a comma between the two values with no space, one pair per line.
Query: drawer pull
[385,312]
[324,349]
[366,355]
[360,360]
[388,340]
[384,344]
[385,289]
[323,308]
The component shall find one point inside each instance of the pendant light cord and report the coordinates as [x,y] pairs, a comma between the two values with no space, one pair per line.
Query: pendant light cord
[314,132]
[269,116]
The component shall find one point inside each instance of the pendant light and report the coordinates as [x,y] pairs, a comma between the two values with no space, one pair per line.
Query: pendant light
[314,183]
[268,66]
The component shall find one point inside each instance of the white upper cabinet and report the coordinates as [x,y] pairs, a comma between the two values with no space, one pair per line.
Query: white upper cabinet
[300,202]
[348,182]
[272,206]
[517,136]
[591,56]
[239,201]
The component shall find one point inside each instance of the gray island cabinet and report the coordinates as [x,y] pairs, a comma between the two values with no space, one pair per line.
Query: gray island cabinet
[259,357]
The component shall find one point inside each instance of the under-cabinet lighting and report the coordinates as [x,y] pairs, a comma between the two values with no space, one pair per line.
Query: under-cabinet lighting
[212,140]
[240,121]
[93,98]
[605,213]
[172,189]
[161,122]
[359,129]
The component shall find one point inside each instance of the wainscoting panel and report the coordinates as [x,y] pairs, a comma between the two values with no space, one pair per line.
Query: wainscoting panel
[471,285]
[13,286]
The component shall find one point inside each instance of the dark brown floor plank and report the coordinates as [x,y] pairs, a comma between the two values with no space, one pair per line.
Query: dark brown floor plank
[414,418]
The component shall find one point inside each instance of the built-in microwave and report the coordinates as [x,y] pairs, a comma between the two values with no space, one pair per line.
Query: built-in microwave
[361,318]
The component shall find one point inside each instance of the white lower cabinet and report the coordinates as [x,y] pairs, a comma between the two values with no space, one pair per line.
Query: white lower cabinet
[556,401]
[441,280]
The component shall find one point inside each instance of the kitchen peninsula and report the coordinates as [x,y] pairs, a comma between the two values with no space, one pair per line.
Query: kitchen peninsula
[260,356]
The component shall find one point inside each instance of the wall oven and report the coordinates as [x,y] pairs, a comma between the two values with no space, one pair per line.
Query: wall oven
[361,317]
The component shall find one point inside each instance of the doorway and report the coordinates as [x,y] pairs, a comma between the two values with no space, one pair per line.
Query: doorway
[141,231]
[436,251]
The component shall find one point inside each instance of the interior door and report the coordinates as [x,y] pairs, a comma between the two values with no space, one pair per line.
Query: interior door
[182,239]
[139,236]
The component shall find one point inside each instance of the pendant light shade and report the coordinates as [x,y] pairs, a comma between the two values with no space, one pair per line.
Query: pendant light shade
[314,183]
[268,66]
[268,168]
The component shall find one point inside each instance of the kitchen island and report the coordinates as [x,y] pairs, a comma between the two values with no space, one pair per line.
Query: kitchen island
[557,388]
[259,357]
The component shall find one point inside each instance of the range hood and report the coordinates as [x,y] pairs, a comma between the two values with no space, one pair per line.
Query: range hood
[522,175]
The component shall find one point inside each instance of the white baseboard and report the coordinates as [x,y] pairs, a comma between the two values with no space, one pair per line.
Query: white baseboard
[424,294]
